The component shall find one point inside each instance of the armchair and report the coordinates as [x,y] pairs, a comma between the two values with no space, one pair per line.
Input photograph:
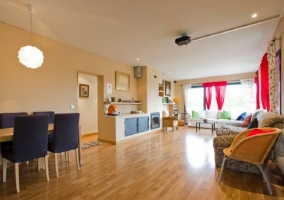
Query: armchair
[169,121]
[252,146]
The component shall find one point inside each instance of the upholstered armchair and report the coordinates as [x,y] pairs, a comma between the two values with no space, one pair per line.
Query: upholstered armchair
[169,121]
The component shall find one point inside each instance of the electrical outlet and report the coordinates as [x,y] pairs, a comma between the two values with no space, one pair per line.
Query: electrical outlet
[72,106]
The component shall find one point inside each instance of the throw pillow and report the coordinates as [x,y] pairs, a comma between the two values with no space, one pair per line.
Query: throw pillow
[257,131]
[225,115]
[241,116]
[253,124]
[195,115]
[246,121]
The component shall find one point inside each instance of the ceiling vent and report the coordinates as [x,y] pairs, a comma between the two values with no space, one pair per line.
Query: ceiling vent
[183,40]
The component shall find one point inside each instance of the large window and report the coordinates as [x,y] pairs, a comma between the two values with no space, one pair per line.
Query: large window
[235,99]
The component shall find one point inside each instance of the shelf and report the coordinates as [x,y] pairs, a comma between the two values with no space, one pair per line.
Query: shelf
[161,90]
[122,103]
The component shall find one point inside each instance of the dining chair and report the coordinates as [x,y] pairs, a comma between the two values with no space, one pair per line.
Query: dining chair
[29,142]
[49,113]
[252,146]
[7,121]
[65,136]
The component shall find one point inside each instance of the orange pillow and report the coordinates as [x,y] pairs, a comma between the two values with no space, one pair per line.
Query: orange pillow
[246,121]
[257,131]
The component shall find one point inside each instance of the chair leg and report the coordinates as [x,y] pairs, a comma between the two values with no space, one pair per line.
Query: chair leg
[17,177]
[265,179]
[66,156]
[4,169]
[77,158]
[223,163]
[38,164]
[56,164]
[46,167]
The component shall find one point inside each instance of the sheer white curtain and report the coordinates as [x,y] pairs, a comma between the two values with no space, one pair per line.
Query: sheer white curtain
[186,94]
[249,93]
[273,79]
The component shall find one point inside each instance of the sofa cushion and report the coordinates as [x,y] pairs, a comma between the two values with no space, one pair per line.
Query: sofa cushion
[246,121]
[211,114]
[195,115]
[242,116]
[253,124]
[225,115]
[256,113]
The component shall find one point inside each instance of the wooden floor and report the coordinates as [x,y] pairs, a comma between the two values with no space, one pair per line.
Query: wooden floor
[166,165]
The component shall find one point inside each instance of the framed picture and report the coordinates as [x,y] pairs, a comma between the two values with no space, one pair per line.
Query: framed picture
[122,81]
[167,88]
[83,90]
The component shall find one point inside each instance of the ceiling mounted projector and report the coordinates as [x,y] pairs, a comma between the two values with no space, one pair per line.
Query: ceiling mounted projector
[183,40]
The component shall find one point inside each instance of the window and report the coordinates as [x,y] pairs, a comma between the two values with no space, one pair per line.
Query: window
[235,100]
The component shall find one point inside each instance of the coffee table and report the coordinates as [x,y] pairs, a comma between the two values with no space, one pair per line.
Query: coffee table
[207,122]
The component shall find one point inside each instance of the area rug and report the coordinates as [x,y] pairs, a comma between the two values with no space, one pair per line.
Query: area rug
[91,144]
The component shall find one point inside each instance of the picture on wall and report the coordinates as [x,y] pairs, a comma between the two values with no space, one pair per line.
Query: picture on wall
[83,90]
[122,81]
[167,88]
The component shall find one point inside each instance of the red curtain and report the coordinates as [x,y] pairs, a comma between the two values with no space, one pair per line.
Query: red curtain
[208,94]
[257,90]
[264,83]
[220,89]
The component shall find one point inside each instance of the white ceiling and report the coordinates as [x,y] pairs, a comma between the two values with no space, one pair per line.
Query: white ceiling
[124,30]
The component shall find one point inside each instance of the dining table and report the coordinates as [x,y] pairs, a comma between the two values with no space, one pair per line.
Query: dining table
[6,134]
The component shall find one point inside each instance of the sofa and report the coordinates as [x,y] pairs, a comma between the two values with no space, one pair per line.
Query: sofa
[226,136]
[233,128]
[218,117]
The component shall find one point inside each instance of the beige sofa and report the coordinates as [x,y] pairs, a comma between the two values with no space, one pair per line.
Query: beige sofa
[212,116]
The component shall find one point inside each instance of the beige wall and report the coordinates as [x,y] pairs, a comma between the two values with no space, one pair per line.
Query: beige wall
[53,86]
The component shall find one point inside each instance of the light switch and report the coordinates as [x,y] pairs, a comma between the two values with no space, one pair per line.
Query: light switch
[72,106]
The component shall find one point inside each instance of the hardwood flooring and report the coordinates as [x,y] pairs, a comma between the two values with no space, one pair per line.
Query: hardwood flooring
[176,165]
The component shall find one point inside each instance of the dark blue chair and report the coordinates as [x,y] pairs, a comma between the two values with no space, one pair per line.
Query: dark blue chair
[65,136]
[50,119]
[29,142]
[7,121]
[49,113]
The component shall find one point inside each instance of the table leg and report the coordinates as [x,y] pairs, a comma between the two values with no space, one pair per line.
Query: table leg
[212,128]
[199,127]
[196,126]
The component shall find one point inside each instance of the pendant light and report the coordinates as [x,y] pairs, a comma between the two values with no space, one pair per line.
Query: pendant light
[30,56]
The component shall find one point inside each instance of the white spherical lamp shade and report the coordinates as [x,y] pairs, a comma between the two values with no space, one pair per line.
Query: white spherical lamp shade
[31,57]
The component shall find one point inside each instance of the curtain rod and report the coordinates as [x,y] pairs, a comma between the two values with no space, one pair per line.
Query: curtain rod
[195,84]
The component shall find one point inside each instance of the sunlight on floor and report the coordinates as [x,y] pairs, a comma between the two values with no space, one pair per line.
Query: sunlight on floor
[199,151]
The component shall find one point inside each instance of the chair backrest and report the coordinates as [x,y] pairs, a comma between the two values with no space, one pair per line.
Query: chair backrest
[66,132]
[49,113]
[30,137]
[255,149]
[7,119]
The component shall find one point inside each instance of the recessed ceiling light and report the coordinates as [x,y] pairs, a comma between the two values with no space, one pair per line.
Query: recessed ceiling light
[137,58]
[169,72]
[254,15]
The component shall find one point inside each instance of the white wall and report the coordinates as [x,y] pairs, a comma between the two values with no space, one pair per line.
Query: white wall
[88,107]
